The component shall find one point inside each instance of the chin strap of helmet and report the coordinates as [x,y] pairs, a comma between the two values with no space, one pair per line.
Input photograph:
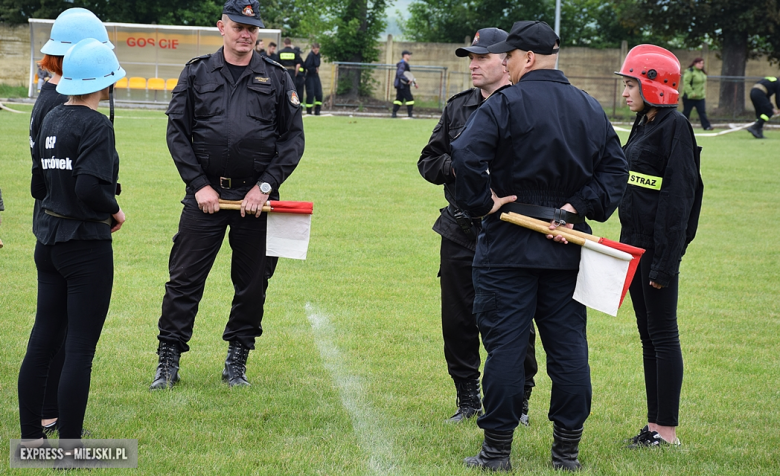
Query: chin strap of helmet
[111,103]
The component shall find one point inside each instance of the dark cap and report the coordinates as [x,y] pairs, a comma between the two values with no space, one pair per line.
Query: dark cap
[406,52]
[243,11]
[482,39]
[536,36]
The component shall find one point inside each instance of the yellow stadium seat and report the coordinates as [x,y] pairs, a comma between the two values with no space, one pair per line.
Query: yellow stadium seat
[122,83]
[156,84]
[137,83]
[171,83]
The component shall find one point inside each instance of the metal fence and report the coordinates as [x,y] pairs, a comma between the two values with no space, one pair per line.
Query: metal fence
[369,85]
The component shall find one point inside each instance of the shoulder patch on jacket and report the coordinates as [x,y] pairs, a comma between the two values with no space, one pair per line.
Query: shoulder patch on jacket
[269,60]
[462,93]
[198,58]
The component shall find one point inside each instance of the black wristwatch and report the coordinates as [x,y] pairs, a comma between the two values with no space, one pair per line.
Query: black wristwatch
[265,188]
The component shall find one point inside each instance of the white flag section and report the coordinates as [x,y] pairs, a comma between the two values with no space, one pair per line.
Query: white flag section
[288,235]
[601,277]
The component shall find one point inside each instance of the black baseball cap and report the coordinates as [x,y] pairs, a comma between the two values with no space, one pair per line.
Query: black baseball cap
[536,36]
[406,52]
[243,11]
[482,39]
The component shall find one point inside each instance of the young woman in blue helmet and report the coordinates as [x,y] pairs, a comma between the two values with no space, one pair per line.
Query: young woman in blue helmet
[70,27]
[76,181]
[659,212]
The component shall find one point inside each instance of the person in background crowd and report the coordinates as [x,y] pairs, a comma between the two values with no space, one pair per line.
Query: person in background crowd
[76,181]
[661,218]
[43,76]
[459,231]
[260,47]
[545,149]
[313,84]
[242,146]
[290,58]
[70,27]
[761,97]
[695,88]
[272,52]
[403,91]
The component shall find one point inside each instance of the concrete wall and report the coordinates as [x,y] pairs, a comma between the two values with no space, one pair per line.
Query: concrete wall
[589,69]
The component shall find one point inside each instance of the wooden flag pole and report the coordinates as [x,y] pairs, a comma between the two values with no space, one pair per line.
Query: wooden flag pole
[236,205]
[573,236]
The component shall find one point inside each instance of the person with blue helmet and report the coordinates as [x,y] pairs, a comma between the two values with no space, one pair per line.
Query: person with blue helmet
[70,27]
[75,179]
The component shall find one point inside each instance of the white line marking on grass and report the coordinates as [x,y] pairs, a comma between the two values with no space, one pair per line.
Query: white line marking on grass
[365,421]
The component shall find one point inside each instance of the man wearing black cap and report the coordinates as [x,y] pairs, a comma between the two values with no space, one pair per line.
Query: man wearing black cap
[403,91]
[235,132]
[459,231]
[546,149]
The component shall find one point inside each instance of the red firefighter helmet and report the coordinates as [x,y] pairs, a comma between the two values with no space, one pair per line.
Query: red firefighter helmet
[658,72]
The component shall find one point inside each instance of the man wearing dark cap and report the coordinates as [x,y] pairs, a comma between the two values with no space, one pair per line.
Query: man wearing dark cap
[546,149]
[459,231]
[235,132]
[403,90]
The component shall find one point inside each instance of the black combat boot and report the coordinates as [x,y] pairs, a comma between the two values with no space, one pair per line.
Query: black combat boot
[396,107]
[524,417]
[565,448]
[308,110]
[235,365]
[409,110]
[495,452]
[317,110]
[468,400]
[167,373]
[757,129]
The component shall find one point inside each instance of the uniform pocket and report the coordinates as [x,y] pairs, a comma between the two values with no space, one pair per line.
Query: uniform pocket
[209,100]
[484,302]
[261,102]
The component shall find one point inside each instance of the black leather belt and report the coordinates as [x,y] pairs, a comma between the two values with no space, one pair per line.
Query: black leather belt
[229,182]
[543,213]
[107,221]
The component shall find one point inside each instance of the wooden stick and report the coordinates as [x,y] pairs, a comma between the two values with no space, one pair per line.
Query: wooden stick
[236,205]
[544,228]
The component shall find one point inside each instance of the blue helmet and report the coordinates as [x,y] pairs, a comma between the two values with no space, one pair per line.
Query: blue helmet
[72,26]
[87,67]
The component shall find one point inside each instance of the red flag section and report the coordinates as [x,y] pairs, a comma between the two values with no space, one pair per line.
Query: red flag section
[636,254]
[285,206]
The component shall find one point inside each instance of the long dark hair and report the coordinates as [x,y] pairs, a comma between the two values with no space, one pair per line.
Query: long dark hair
[696,60]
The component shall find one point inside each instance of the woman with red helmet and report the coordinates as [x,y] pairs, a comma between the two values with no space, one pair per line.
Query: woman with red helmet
[659,212]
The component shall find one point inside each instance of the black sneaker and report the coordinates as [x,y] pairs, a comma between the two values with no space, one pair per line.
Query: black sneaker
[636,438]
[651,439]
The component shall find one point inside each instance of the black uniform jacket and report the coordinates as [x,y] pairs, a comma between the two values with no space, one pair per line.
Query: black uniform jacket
[312,63]
[772,86]
[250,128]
[400,80]
[435,163]
[663,214]
[289,57]
[550,144]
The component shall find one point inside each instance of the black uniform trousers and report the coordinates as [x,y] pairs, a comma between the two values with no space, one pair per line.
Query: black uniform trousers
[403,95]
[313,90]
[701,108]
[195,248]
[75,280]
[459,326]
[506,300]
[761,104]
[656,319]
[300,85]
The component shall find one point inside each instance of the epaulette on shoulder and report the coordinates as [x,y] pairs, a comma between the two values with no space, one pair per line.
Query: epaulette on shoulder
[462,93]
[198,58]
[269,60]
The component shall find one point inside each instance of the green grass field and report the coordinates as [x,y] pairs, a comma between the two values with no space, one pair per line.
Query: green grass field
[349,377]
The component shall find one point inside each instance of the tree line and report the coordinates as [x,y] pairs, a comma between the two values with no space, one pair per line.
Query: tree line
[348,30]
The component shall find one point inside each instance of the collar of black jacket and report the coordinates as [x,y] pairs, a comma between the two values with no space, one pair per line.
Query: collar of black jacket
[217,60]
[545,75]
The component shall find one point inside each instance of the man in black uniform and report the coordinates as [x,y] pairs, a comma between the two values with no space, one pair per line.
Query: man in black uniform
[290,58]
[260,47]
[403,89]
[459,231]
[313,84]
[235,132]
[761,95]
[546,149]
[272,52]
